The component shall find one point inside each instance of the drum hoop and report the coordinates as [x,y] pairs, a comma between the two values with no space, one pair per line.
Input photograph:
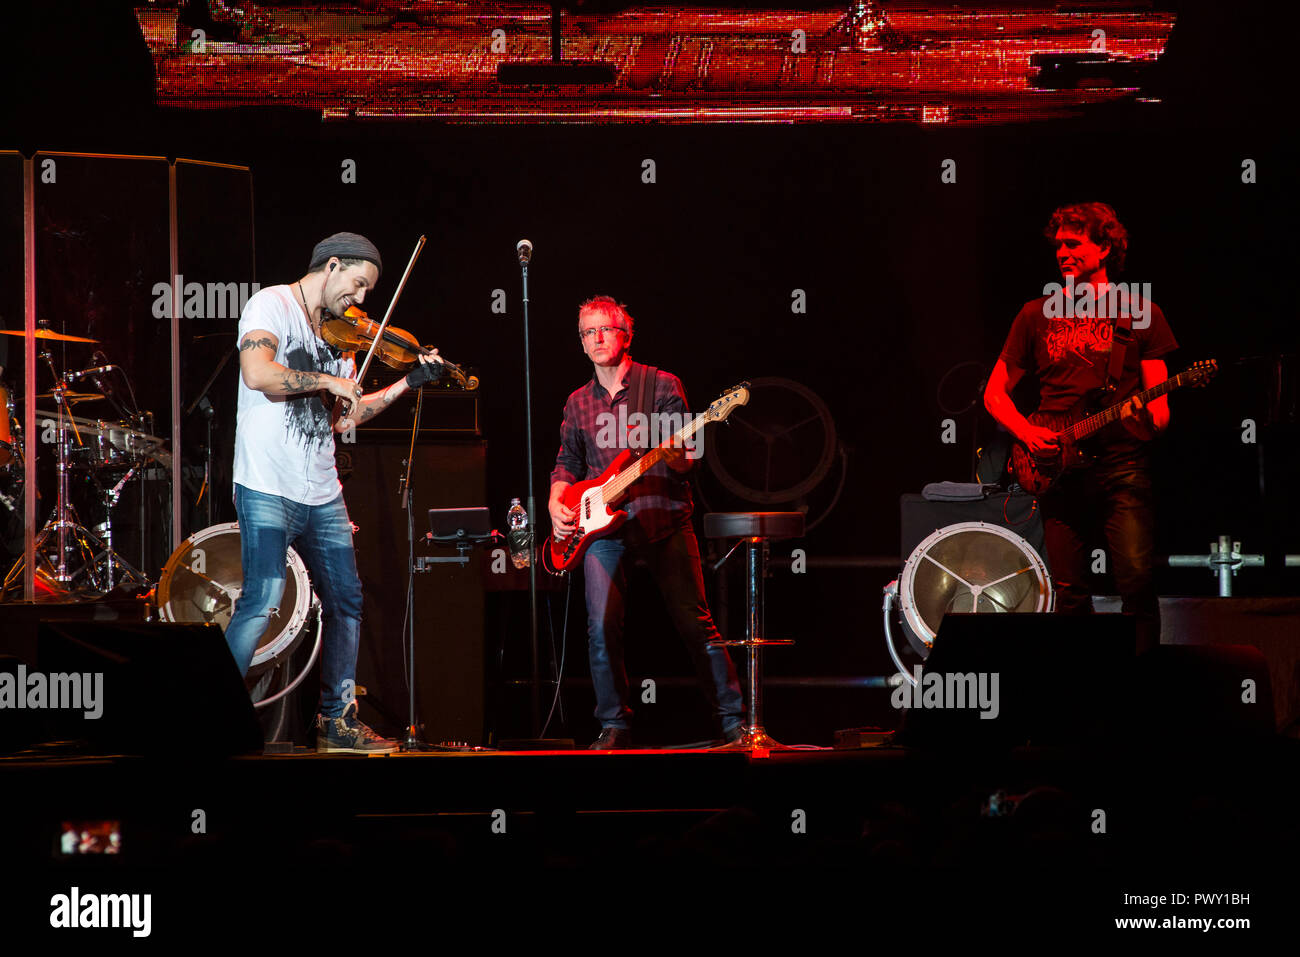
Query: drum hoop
[305,598]
[907,581]
[164,580]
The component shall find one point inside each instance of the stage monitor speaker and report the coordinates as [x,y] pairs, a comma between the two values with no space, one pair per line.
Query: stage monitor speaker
[999,681]
[141,688]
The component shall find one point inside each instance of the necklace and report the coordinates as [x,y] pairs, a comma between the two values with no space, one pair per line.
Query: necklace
[303,296]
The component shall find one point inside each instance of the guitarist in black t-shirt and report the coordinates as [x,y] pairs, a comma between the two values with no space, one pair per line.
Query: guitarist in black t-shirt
[1068,352]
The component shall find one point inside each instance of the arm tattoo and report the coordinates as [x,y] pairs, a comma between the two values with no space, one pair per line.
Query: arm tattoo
[256,343]
[294,381]
[377,405]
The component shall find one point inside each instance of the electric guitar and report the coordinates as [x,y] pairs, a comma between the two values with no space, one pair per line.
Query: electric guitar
[1036,474]
[592,498]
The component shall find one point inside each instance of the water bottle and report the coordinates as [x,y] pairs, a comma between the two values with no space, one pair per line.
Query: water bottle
[520,535]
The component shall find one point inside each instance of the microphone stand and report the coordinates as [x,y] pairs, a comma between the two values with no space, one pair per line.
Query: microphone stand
[209,414]
[205,405]
[414,740]
[524,257]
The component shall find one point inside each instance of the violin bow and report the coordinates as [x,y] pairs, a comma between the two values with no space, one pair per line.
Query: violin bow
[393,302]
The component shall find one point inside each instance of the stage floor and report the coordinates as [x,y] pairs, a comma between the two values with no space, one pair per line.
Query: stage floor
[1124,816]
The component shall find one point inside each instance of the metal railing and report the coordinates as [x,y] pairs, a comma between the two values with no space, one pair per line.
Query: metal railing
[1225,559]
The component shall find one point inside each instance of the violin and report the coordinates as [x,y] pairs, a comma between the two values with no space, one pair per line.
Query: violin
[354,331]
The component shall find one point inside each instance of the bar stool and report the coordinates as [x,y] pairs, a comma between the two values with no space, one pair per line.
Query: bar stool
[754,530]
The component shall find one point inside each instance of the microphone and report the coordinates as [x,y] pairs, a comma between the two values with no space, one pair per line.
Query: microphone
[84,372]
[102,384]
[525,250]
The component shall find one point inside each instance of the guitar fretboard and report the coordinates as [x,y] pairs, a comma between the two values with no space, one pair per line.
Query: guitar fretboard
[619,484]
[1085,427]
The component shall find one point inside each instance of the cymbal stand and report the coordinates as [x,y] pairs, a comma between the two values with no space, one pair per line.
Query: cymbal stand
[62,524]
[64,517]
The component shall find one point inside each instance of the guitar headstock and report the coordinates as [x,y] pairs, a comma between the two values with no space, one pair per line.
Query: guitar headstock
[1200,373]
[733,398]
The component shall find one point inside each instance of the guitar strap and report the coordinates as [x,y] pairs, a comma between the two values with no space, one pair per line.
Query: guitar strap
[641,398]
[1121,339]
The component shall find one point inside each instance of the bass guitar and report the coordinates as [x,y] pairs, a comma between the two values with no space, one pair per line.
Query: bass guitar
[592,498]
[1036,474]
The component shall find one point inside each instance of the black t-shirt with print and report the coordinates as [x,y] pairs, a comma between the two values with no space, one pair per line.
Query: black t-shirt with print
[1069,357]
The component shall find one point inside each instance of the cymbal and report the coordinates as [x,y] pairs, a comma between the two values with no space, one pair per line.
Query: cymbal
[46,334]
[73,396]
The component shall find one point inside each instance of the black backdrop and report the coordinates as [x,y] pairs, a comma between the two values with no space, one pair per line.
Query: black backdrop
[906,278]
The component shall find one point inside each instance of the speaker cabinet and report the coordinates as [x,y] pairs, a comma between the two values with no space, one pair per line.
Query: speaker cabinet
[1074,680]
[1204,692]
[449,662]
[1017,511]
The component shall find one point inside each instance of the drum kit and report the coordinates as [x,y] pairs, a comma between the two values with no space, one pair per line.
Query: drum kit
[71,560]
[200,581]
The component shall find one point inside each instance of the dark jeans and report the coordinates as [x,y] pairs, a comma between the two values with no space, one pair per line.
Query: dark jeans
[675,564]
[1114,500]
[322,535]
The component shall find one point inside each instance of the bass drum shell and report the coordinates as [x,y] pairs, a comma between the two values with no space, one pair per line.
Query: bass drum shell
[203,577]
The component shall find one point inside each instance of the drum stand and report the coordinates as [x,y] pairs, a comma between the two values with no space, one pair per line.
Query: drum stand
[111,559]
[67,554]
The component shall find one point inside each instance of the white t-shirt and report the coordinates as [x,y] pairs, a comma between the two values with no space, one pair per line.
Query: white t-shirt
[283,443]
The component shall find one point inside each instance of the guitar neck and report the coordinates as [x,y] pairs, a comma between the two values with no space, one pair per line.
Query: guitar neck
[633,472]
[1085,427]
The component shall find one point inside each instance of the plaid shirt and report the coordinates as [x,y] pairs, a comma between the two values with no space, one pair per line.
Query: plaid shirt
[660,502]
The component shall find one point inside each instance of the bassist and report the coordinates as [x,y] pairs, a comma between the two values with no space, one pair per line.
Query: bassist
[1108,503]
[658,529]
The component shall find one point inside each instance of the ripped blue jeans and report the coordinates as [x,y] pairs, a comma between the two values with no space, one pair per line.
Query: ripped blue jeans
[322,535]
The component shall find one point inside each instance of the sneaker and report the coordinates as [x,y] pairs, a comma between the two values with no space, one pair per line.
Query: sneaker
[349,735]
[612,739]
[729,737]
[732,735]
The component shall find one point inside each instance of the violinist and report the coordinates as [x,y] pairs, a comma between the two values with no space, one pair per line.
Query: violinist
[295,391]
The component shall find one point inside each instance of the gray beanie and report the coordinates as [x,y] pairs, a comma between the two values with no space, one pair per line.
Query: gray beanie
[345,246]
